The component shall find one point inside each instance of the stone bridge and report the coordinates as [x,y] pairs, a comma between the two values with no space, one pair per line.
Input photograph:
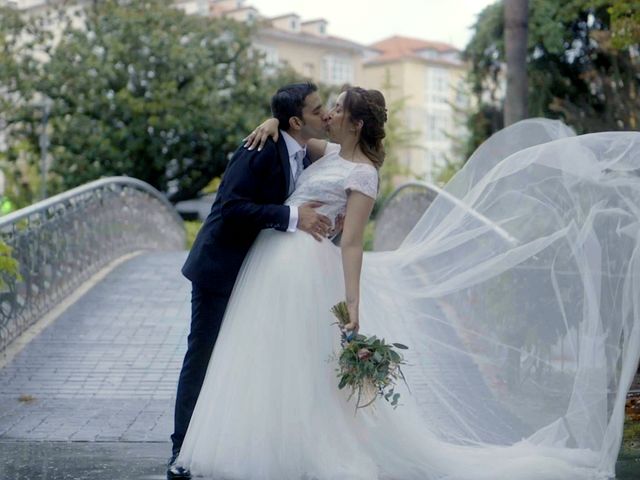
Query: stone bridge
[92,335]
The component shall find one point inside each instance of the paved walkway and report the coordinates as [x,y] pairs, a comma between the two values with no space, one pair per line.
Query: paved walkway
[106,369]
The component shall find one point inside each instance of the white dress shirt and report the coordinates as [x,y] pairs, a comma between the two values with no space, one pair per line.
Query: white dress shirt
[293,147]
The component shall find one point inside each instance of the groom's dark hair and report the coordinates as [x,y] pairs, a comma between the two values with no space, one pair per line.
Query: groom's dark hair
[289,100]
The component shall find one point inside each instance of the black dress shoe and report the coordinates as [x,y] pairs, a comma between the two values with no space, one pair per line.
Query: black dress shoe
[176,472]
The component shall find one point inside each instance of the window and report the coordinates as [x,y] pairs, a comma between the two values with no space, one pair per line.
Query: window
[437,85]
[270,54]
[434,158]
[430,54]
[438,125]
[337,69]
[308,69]
[203,8]
[462,98]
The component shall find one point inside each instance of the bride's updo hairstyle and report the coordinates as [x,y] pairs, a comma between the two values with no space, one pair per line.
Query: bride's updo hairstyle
[368,106]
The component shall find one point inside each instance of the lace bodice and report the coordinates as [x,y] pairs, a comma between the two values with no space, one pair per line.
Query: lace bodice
[330,178]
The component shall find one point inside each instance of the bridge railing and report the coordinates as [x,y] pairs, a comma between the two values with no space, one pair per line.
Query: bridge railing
[62,241]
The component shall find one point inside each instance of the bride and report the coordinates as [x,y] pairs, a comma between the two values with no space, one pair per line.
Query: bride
[516,293]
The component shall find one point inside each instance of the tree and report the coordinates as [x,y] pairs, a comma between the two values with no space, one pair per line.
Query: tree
[515,39]
[575,72]
[23,42]
[625,23]
[141,89]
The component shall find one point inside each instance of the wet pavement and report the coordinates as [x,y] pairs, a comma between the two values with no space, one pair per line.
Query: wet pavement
[82,460]
[127,461]
[91,397]
[628,466]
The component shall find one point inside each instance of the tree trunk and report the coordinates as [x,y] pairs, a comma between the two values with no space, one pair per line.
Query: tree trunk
[516,15]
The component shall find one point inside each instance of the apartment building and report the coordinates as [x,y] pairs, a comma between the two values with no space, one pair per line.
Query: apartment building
[429,76]
[305,45]
[193,7]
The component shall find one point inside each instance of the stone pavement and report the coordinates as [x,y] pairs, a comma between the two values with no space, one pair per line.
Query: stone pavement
[107,368]
[82,461]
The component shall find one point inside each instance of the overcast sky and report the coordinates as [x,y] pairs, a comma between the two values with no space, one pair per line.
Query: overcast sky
[366,21]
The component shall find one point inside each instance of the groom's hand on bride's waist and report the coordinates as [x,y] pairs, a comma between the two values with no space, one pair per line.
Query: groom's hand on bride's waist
[312,222]
[337,227]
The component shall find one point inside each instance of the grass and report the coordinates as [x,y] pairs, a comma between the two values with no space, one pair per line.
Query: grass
[192,227]
[631,437]
[628,464]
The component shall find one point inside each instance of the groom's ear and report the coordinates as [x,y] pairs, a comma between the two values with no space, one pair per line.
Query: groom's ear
[296,123]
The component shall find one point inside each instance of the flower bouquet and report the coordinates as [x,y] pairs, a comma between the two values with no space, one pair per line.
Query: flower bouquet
[368,365]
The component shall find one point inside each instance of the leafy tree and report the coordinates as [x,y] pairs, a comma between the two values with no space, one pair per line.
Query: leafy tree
[625,23]
[141,89]
[23,43]
[575,71]
[584,68]
[516,26]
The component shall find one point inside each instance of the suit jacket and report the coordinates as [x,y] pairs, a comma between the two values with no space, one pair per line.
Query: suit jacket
[250,197]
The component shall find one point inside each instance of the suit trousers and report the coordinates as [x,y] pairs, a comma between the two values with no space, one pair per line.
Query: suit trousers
[207,312]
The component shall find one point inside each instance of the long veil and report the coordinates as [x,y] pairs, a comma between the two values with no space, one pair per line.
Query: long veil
[521,299]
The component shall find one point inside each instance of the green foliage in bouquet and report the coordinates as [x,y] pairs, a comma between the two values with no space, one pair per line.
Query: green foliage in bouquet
[368,365]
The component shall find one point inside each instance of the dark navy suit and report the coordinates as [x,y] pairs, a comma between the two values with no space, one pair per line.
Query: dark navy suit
[249,199]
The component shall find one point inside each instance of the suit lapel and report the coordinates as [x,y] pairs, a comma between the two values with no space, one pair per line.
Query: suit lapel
[306,161]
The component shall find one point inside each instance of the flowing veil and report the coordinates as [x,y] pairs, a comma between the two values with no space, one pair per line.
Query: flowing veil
[520,299]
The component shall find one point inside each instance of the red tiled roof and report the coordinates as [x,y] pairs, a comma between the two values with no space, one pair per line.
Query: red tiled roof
[398,47]
[278,17]
[241,9]
[304,37]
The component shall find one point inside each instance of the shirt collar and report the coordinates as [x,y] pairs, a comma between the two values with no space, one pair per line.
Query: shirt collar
[293,147]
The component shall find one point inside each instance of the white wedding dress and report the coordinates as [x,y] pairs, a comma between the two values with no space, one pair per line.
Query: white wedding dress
[519,303]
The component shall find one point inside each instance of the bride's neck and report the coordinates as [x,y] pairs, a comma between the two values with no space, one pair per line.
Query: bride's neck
[349,148]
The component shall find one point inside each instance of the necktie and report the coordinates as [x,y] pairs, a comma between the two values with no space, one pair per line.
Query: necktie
[299,157]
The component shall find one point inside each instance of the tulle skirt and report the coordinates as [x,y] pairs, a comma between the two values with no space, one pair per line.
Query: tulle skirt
[270,407]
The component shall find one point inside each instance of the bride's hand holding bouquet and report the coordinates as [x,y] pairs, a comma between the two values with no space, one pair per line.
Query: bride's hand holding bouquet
[351,328]
[368,365]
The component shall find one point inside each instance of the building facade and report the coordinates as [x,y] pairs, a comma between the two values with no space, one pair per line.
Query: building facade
[306,46]
[429,78]
[428,75]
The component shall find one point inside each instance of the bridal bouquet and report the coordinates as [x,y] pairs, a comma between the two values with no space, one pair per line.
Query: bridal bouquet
[368,365]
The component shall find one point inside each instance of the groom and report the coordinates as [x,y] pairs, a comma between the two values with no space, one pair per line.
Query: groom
[249,199]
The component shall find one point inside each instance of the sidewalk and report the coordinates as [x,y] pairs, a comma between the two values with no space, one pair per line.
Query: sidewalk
[82,461]
[107,368]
